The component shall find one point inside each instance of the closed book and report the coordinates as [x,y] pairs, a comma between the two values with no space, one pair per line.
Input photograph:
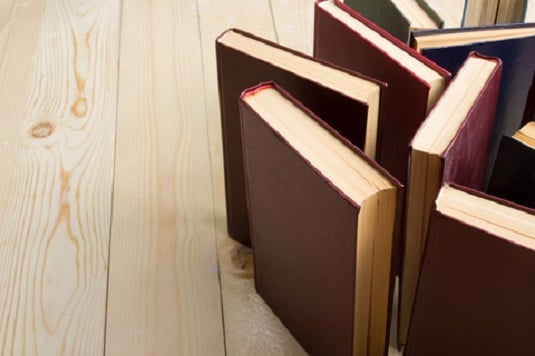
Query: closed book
[451,146]
[349,102]
[323,219]
[475,293]
[398,17]
[514,44]
[344,37]
[513,176]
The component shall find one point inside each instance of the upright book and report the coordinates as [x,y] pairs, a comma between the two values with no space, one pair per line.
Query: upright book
[349,102]
[513,176]
[514,45]
[398,17]
[323,219]
[451,146]
[344,37]
[475,293]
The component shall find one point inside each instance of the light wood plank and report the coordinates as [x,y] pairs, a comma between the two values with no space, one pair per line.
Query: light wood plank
[164,294]
[294,24]
[57,158]
[251,328]
[451,11]
[19,33]
[216,17]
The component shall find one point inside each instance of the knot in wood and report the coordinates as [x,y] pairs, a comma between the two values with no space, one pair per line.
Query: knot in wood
[79,108]
[242,258]
[42,129]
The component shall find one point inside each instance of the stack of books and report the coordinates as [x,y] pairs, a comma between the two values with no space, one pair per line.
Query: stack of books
[387,153]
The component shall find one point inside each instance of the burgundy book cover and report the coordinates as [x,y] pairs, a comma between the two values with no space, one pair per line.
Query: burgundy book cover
[406,105]
[463,162]
[475,293]
[304,237]
[238,71]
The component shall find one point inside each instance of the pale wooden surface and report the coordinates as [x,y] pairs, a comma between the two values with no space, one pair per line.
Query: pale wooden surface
[164,296]
[58,78]
[112,227]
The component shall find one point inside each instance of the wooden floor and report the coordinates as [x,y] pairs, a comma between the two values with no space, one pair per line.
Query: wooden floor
[112,226]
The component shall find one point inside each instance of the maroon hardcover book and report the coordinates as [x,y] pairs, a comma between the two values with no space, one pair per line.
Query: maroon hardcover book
[344,37]
[475,293]
[240,68]
[451,146]
[323,261]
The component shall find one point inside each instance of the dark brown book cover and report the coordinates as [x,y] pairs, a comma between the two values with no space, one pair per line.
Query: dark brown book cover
[238,71]
[304,233]
[407,95]
[475,293]
[464,162]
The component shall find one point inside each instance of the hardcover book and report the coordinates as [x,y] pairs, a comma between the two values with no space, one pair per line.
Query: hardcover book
[323,219]
[513,177]
[344,37]
[451,146]
[398,17]
[349,102]
[514,45]
[475,293]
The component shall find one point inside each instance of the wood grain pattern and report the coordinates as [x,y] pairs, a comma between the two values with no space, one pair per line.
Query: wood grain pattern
[294,23]
[164,294]
[59,167]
